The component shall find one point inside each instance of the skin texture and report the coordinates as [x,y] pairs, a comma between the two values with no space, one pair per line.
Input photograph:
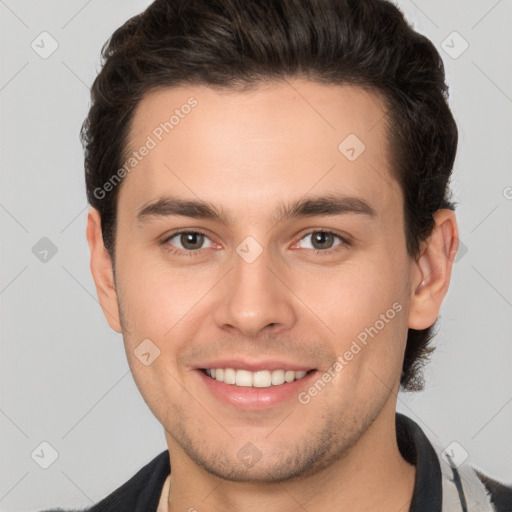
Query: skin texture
[247,152]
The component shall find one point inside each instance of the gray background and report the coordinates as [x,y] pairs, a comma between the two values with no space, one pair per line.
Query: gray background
[63,374]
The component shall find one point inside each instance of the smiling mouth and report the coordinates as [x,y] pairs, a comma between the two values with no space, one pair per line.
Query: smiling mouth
[259,379]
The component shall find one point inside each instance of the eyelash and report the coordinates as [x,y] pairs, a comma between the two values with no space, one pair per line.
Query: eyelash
[197,252]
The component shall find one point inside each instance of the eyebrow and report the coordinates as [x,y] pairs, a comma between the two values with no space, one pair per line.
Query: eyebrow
[330,204]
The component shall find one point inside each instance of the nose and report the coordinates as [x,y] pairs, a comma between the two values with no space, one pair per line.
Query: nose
[255,298]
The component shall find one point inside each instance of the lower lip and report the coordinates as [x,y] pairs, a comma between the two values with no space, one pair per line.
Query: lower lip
[256,399]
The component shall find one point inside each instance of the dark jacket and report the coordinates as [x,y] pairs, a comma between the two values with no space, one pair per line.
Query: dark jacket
[440,486]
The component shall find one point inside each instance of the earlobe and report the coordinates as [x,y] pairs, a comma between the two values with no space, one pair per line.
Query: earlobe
[102,271]
[432,273]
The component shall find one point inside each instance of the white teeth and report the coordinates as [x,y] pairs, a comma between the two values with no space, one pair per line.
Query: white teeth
[277,377]
[243,378]
[259,379]
[289,376]
[262,379]
[229,376]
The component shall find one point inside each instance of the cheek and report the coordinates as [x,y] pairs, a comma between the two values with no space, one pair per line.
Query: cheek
[353,293]
[365,308]
[156,299]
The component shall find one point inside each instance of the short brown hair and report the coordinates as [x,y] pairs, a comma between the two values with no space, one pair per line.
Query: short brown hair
[240,43]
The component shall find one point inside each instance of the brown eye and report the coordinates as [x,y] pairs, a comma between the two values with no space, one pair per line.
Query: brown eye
[187,241]
[191,241]
[322,240]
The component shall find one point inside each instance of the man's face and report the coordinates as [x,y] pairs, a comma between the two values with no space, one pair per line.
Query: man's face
[259,290]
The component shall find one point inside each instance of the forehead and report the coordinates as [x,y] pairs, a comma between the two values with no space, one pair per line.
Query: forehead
[274,141]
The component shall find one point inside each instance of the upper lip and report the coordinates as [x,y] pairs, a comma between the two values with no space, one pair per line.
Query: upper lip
[254,366]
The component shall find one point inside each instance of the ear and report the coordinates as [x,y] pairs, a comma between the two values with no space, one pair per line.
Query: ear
[432,271]
[102,271]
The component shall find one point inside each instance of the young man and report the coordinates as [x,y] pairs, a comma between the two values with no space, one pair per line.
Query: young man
[272,234]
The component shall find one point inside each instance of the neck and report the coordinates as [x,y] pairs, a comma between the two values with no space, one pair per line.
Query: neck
[372,475]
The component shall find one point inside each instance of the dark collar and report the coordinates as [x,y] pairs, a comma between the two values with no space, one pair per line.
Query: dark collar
[142,492]
[416,449]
